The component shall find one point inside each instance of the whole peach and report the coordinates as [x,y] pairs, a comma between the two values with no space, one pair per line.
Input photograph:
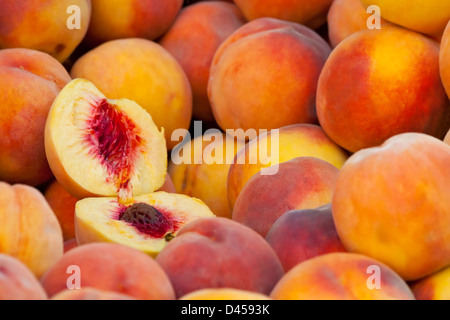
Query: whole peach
[390,203]
[380,66]
[44,25]
[29,82]
[264,76]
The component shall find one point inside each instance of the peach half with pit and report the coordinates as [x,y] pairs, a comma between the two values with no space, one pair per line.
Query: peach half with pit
[147,225]
[101,147]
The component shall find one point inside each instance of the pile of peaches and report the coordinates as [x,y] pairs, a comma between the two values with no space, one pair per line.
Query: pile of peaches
[94,95]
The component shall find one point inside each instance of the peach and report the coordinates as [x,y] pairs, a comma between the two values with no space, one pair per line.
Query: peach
[434,287]
[301,140]
[21,20]
[380,66]
[300,235]
[193,39]
[103,147]
[63,205]
[444,59]
[29,230]
[341,276]
[219,253]
[90,294]
[429,17]
[224,294]
[142,71]
[17,282]
[110,267]
[197,175]
[280,61]
[345,18]
[147,224]
[29,82]
[120,19]
[390,203]
[310,13]
[301,183]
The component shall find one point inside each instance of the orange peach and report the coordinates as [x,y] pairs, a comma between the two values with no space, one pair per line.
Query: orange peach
[168,185]
[341,276]
[17,282]
[429,17]
[142,71]
[345,18]
[300,235]
[301,183]
[90,294]
[63,205]
[301,140]
[280,61]
[194,38]
[48,26]
[310,13]
[434,287]
[120,19]
[109,267]
[390,203]
[199,175]
[224,294]
[380,66]
[29,230]
[29,82]
[219,253]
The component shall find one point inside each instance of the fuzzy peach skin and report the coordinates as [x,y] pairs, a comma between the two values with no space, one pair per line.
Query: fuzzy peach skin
[194,38]
[29,230]
[142,71]
[224,294]
[111,267]
[301,183]
[90,294]
[307,12]
[390,203]
[219,253]
[201,173]
[63,205]
[168,185]
[444,59]
[300,140]
[118,19]
[42,25]
[300,235]
[434,287]
[29,82]
[341,276]
[425,16]
[345,18]
[380,66]
[17,282]
[280,61]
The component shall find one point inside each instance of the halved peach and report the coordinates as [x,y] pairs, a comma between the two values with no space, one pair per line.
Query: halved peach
[146,225]
[101,147]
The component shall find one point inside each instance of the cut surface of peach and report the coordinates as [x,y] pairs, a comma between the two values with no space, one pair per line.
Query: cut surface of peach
[147,225]
[101,147]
